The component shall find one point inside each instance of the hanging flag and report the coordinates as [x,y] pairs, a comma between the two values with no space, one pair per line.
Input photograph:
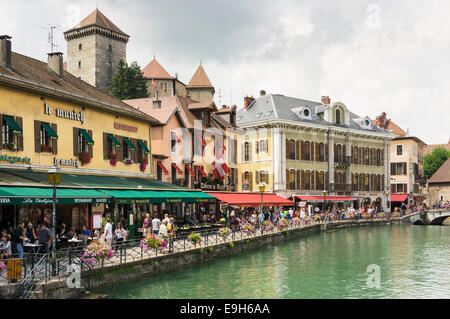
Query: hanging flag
[154,84]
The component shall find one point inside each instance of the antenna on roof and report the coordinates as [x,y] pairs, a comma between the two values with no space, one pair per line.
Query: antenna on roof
[51,38]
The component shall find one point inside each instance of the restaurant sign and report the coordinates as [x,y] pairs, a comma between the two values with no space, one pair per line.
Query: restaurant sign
[61,162]
[70,115]
[15,159]
[49,201]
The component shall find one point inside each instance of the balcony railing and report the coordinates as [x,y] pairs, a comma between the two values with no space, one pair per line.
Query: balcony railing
[342,161]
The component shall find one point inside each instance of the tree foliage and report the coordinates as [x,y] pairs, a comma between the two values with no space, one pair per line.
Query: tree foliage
[434,160]
[128,82]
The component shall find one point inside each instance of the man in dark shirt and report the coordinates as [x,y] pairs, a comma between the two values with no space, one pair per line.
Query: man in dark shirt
[44,237]
[17,239]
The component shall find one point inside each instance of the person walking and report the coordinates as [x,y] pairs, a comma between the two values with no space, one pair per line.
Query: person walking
[120,235]
[17,239]
[44,238]
[156,222]
[163,230]
[147,225]
[108,232]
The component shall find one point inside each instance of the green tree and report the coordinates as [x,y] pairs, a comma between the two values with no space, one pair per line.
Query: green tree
[434,160]
[128,82]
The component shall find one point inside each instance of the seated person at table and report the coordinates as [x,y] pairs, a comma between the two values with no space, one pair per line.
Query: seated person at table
[44,237]
[5,248]
[85,231]
[30,233]
[71,233]
[62,231]
[5,234]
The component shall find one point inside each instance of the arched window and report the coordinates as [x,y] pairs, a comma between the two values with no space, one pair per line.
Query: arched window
[378,157]
[339,153]
[355,155]
[367,182]
[321,181]
[338,116]
[307,180]
[291,179]
[366,156]
[291,145]
[355,182]
[264,177]
[307,151]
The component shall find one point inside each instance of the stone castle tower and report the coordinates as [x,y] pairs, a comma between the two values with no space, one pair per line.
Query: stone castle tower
[94,48]
[200,88]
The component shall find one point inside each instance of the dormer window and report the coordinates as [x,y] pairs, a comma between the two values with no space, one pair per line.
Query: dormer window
[338,116]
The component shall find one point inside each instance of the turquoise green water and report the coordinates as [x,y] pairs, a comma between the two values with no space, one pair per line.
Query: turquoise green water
[414,262]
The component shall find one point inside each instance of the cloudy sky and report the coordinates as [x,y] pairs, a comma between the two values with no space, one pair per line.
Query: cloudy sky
[373,56]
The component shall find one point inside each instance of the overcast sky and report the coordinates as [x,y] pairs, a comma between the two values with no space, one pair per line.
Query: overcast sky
[373,56]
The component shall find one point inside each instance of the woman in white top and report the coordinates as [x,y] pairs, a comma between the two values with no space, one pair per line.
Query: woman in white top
[163,229]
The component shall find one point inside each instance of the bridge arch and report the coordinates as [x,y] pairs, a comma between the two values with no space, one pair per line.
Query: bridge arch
[439,220]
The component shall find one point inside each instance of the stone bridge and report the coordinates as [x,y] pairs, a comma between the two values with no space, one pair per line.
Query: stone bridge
[430,217]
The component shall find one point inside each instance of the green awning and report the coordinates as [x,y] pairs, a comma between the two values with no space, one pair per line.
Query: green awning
[113,139]
[86,136]
[10,195]
[157,197]
[49,130]
[12,124]
[144,147]
[126,140]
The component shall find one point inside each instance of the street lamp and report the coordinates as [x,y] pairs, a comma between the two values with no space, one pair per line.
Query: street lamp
[261,189]
[54,178]
[324,193]
[387,200]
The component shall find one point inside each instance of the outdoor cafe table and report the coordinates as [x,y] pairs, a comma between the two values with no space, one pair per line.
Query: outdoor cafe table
[34,248]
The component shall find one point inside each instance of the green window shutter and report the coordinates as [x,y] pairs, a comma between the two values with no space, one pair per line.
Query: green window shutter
[19,137]
[54,141]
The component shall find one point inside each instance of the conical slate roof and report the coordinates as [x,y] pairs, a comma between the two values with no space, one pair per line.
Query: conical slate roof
[200,79]
[154,70]
[98,19]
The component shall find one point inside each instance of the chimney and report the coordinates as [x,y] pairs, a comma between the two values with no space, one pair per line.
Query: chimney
[262,93]
[5,51]
[55,63]
[381,120]
[156,104]
[326,100]
[233,115]
[176,76]
[248,101]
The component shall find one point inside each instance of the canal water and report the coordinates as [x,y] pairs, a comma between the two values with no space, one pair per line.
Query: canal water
[413,262]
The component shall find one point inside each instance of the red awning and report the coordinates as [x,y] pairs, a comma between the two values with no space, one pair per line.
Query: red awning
[399,197]
[251,199]
[180,172]
[321,198]
[160,164]
[191,172]
[226,169]
[199,168]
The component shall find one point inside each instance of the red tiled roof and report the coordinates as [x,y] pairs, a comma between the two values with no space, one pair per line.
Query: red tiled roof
[98,19]
[200,79]
[430,148]
[154,70]
[392,128]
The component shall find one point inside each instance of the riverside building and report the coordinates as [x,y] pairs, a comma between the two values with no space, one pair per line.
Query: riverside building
[102,146]
[300,148]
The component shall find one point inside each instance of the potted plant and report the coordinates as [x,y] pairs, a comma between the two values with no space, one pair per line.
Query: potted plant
[296,221]
[152,242]
[267,225]
[248,229]
[112,158]
[128,161]
[10,146]
[84,158]
[46,149]
[224,232]
[3,267]
[142,164]
[96,251]
[195,238]
[282,224]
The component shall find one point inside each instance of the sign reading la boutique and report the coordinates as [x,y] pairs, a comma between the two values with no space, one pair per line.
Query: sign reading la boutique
[70,115]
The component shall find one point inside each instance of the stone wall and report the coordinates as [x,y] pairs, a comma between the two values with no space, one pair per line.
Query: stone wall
[101,278]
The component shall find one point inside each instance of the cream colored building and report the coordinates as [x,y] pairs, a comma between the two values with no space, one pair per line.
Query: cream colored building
[300,148]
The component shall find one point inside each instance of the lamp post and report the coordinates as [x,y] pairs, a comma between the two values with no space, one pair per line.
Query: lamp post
[324,193]
[54,178]
[261,189]
[387,200]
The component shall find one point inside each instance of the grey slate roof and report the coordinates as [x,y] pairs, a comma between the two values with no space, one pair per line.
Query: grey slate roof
[273,107]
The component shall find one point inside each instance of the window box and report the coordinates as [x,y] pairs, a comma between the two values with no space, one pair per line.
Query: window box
[128,161]
[46,149]
[84,158]
[10,146]
[142,164]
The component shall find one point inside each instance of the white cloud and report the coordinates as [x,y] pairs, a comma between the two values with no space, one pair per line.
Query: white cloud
[374,56]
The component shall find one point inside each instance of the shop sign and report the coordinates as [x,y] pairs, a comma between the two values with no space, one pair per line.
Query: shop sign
[175,200]
[218,187]
[61,162]
[124,127]
[133,201]
[15,159]
[70,115]
[48,201]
